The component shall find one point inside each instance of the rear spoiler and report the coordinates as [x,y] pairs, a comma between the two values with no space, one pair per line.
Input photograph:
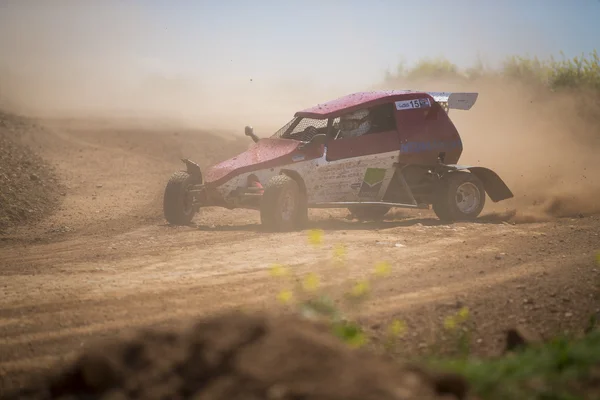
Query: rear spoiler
[456,101]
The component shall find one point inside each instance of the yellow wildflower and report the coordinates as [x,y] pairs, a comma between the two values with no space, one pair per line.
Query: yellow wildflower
[397,328]
[360,289]
[463,314]
[315,237]
[285,296]
[450,323]
[382,269]
[278,270]
[339,252]
[311,282]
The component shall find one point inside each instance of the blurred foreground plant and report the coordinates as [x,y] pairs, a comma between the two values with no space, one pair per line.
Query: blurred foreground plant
[455,325]
[305,292]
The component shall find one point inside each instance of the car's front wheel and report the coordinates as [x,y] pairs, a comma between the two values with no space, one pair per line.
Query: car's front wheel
[178,205]
[460,196]
[283,207]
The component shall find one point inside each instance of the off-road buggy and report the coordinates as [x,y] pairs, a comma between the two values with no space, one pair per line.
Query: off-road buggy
[405,158]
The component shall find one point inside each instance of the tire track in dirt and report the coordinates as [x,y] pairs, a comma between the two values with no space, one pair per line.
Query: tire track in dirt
[117,272]
[174,285]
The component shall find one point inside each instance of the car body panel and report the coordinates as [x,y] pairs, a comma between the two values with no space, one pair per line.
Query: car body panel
[413,142]
[355,101]
[425,133]
[363,178]
[266,153]
[365,145]
[422,130]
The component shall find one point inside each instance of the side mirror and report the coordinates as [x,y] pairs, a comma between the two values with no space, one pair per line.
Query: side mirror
[249,131]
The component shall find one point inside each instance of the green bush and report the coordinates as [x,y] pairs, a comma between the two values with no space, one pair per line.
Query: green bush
[576,73]
[561,369]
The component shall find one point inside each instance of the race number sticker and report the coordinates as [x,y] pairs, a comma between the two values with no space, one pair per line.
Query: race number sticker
[412,104]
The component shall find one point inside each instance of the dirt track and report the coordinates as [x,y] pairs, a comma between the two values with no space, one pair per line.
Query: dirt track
[106,261]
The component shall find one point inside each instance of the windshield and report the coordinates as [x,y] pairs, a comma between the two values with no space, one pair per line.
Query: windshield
[302,129]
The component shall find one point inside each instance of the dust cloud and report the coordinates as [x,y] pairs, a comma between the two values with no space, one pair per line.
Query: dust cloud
[72,59]
[57,59]
[542,144]
[63,64]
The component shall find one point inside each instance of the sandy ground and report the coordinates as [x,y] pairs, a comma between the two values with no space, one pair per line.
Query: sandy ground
[106,262]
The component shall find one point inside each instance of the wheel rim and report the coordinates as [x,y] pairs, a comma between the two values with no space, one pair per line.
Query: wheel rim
[468,197]
[287,207]
[188,201]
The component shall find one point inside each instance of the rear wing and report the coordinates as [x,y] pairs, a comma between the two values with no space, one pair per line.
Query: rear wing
[456,101]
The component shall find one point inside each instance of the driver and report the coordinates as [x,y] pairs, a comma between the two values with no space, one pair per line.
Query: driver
[354,124]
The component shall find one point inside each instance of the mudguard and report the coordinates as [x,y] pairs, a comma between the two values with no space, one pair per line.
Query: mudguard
[193,169]
[494,186]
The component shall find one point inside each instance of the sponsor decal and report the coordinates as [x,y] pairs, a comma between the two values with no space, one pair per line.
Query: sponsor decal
[412,104]
[298,157]
[418,147]
[372,182]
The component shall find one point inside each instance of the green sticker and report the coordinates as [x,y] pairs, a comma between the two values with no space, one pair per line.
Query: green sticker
[374,175]
[372,182]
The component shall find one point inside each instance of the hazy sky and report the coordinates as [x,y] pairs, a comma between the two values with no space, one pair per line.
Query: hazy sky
[213,45]
[329,40]
[335,40]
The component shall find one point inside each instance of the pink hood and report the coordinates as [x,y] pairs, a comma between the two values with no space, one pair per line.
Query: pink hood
[265,153]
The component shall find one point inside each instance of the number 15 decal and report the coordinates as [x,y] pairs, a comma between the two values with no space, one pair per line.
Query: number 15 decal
[412,104]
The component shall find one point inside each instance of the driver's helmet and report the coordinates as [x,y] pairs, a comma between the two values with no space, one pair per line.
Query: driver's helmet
[355,123]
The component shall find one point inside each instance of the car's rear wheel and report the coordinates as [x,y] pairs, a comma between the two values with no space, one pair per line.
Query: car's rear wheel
[178,205]
[369,212]
[283,206]
[460,196]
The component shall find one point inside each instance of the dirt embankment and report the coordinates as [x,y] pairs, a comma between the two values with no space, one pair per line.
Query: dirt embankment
[29,186]
[107,174]
[239,356]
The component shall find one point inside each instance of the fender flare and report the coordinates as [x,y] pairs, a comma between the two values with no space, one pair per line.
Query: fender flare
[494,186]
[298,178]
[193,169]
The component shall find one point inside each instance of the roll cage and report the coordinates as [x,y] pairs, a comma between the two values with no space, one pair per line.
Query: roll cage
[303,128]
